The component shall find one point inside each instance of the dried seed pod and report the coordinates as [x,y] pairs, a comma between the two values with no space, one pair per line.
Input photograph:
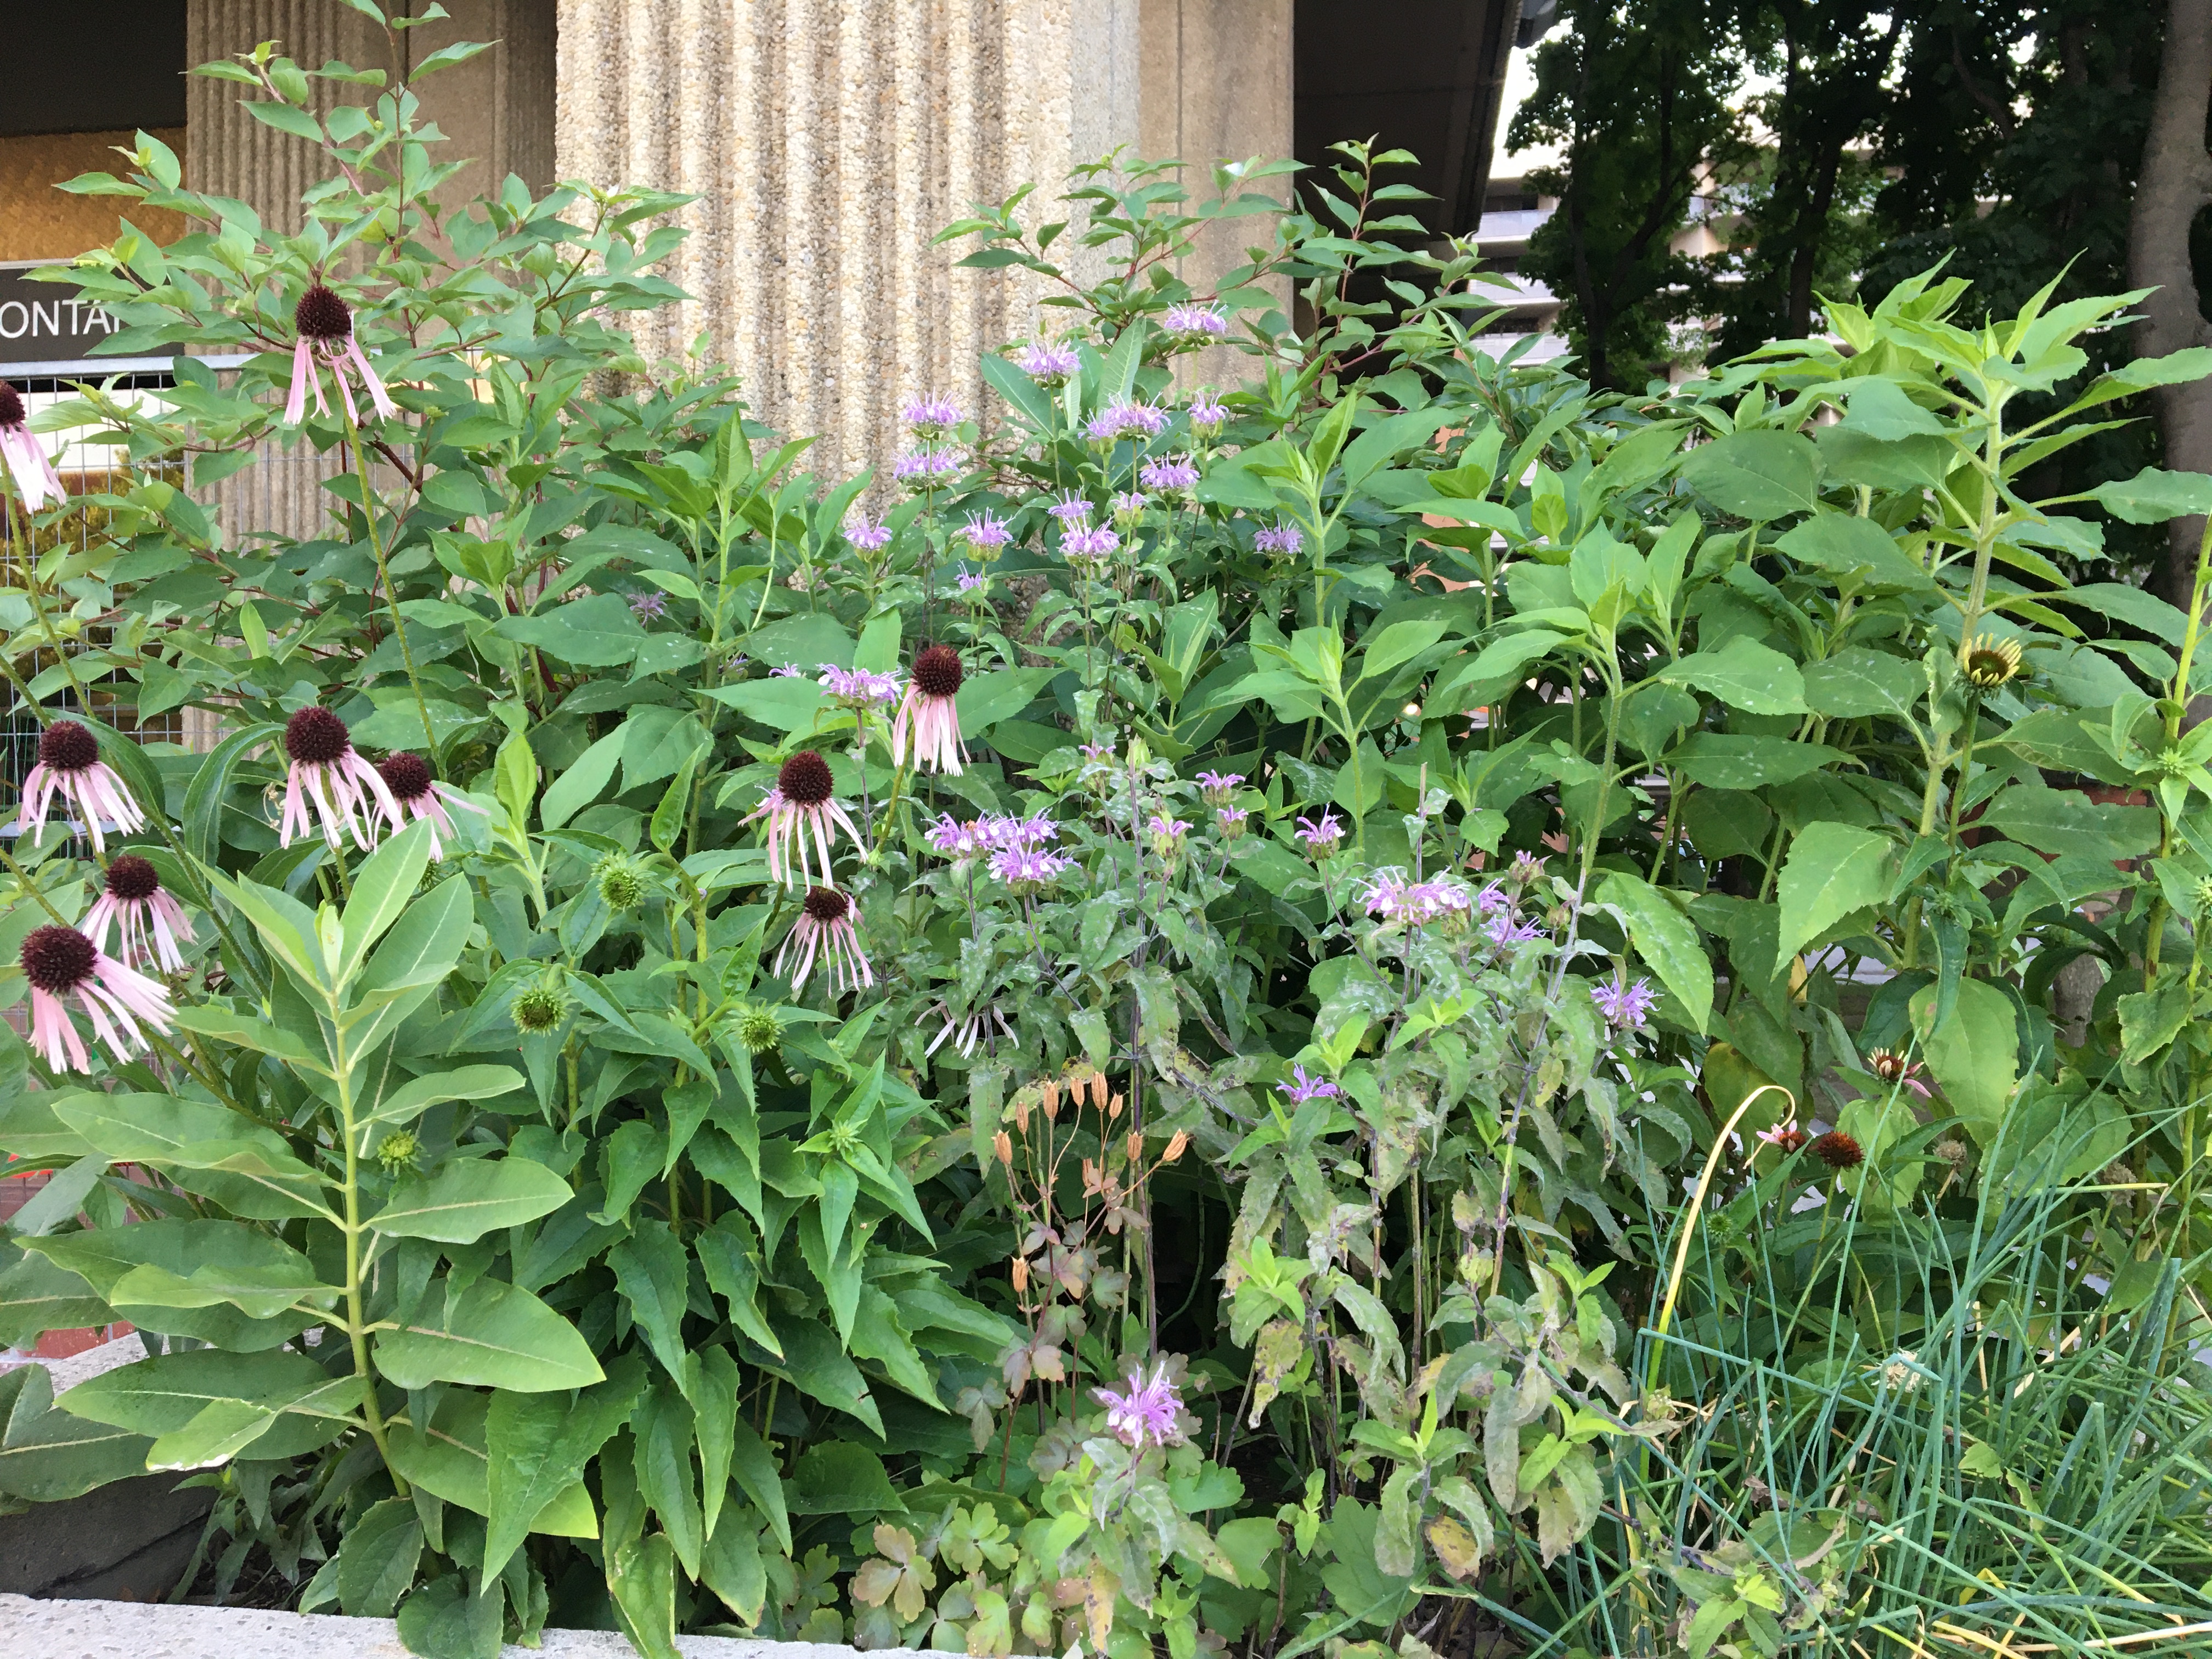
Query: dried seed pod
[1003,1144]
[1176,1142]
[1136,1146]
[1021,1272]
[1098,1089]
[1048,1099]
[1113,1109]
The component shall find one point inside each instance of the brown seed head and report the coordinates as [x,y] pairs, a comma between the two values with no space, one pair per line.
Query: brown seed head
[11,406]
[321,315]
[68,747]
[57,959]
[130,877]
[937,670]
[826,905]
[1839,1151]
[407,776]
[805,779]
[316,737]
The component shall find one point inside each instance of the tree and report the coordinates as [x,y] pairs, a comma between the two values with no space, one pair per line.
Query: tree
[2174,189]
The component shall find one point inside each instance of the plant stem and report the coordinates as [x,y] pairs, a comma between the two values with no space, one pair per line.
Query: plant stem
[390,597]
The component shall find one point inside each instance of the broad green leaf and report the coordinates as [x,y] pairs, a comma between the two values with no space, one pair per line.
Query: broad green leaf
[984,699]
[836,1477]
[2066,821]
[641,1578]
[1973,1054]
[36,1296]
[211,1020]
[221,1430]
[1833,871]
[422,949]
[460,1083]
[814,1361]
[1743,674]
[469,1197]
[1857,682]
[1726,760]
[383,887]
[1879,408]
[221,1250]
[711,1383]
[1762,475]
[47,1456]
[2155,496]
[489,1335]
[783,703]
[1845,545]
[651,1272]
[376,1561]
[1667,940]
[443,1620]
[164,1392]
[597,631]
[666,1479]
[538,1445]
[579,785]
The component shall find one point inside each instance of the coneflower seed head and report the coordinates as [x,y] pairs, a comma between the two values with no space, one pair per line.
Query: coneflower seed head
[321,315]
[937,671]
[316,737]
[130,877]
[57,959]
[805,778]
[68,747]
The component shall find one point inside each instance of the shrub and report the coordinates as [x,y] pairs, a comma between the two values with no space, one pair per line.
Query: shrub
[693,1052]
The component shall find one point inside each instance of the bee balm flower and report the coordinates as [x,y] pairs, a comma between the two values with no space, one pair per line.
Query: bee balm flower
[148,922]
[800,805]
[348,792]
[61,962]
[70,765]
[326,337]
[929,713]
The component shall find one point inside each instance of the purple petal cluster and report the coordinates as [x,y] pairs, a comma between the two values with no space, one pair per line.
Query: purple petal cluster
[986,532]
[1028,865]
[1188,318]
[648,606]
[1301,1088]
[1049,363]
[870,536]
[1626,1007]
[1145,1411]
[927,468]
[1070,509]
[1129,504]
[1171,475]
[1087,541]
[1280,539]
[1206,414]
[930,414]
[1321,835]
[857,686]
[1216,784]
[1127,421]
[1504,930]
[1398,902]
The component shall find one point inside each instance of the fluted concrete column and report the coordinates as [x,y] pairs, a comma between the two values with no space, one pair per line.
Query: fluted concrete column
[496,109]
[828,140]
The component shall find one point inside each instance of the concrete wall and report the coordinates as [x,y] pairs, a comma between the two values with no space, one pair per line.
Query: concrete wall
[828,140]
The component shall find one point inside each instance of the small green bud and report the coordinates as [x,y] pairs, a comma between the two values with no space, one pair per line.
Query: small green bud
[540,1008]
[398,1151]
[758,1030]
[622,884]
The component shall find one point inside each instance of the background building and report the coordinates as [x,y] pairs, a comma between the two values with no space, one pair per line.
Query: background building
[827,141]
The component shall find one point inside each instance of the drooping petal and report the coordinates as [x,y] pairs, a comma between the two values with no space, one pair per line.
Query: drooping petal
[379,398]
[303,371]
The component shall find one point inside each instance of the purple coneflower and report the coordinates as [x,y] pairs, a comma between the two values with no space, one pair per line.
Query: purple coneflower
[1785,1137]
[1085,542]
[973,1032]
[824,929]
[1285,539]
[148,922]
[1070,509]
[1323,835]
[930,414]
[1146,1412]
[799,806]
[70,765]
[1894,1068]
[929,712]
[1301,1088]
[348,792]
[1626,1007]
[857,687]
[1127,421]
[422,797]
[986,532]
[30,466]
[927,468]
[1052,364]
[869,537]
[1191,319]
[1171,475]
[648,606]
[61,962]
[1206,415]
[327,338]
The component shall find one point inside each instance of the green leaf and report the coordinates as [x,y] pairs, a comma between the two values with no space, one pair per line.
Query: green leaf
[666,1477]
[814,1361]
[651,1272]
[1856,682]
[489,1335]
[2155,496]
[204,798]
[376,1563]
[1880,410]
[642,1577]
[711,1383]
[1729,760]
[47,1456]
[983,700]
[36,1296]
[597,631]
[442,1620]
[105,1256]
[580,784]
[1973,1054]
[1761,476]
[471,1197]
[784,704]
[753,1466]
[1667,940]
[163,1393]
[1834,870]
[418,1095]
[383,888]
[2066,821]
[836,1477]
[1743,674]
[1844,545]
[538,1445]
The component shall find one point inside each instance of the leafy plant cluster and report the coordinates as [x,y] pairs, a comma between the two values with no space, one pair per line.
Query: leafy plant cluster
[1400,1008]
